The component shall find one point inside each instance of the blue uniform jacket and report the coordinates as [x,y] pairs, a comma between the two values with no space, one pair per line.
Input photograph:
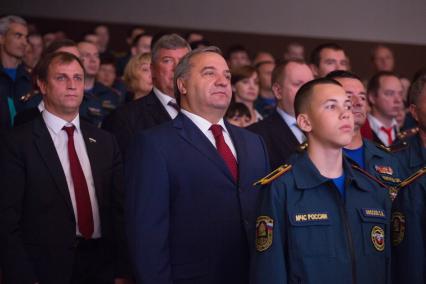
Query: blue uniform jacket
[409,234]
[188,221]
[307,233]
[98,103]
[412,155]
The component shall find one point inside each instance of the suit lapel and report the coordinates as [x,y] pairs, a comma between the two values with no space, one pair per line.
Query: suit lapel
[94,153]
[190,133]
[285,136]
[47,150]
[157,110]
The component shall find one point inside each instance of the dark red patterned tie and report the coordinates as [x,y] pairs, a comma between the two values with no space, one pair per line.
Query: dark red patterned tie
[224,150]
[82,198]
[388,132]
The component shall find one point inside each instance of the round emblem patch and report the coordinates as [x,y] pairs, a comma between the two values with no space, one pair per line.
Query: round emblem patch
[264,227]
[398,228]
[378,238]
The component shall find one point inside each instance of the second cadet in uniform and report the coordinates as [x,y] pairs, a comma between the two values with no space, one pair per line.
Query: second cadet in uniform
[322,220]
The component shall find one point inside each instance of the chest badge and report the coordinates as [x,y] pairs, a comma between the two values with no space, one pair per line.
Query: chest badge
[383,170]
[378,238]
[264,228]
[398,228]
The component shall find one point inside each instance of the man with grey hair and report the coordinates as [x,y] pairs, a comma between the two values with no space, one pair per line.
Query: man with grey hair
[190,202]
[15,81]
[159,105]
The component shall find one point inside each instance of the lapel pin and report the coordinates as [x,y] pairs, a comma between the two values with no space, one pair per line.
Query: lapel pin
[91,140]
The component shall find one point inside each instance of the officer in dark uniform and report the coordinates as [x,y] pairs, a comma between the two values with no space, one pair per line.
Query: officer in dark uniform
[98,103]
[409,231]
[376,159]
[99,100]
[412,149]
[322,220]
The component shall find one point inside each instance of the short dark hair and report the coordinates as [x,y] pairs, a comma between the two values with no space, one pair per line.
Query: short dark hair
[374,83]
[340,74]
[57,44]
[107,59]
[279,69]
[62,57]
[304,94]
[237,109]
[315,54]
[417,87]
[138,37]
[236,48]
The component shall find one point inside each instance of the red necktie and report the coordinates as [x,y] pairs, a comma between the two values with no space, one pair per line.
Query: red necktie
[388,132]
[224,150]
[82,198]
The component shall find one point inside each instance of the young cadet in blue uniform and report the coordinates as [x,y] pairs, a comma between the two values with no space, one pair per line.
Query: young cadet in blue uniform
[412,150]
[374,158]
[322,220]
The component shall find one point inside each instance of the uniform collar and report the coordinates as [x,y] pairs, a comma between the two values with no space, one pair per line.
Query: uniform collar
[307,176]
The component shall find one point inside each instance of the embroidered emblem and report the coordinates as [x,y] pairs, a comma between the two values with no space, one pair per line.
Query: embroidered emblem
[378,238]
[264,228]
[383,170]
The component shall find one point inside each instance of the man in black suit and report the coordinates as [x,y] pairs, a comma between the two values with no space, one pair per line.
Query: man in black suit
[60,189]
[279,130]
[158,106]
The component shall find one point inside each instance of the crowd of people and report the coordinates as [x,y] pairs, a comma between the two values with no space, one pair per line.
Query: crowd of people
[177,163]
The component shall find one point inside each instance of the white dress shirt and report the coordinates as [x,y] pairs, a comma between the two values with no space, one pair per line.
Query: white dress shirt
[165,99]
[292,124]
[204,125]
[375,125]
[60,140]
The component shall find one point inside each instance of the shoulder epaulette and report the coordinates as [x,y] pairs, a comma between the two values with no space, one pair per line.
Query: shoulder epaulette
[273,175]
[394,147]
[408,133]
[26,98]
[358,168]
[302,147]
[421,172]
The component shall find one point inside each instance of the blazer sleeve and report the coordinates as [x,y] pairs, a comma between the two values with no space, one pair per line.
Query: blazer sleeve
[15,263]
[147,211]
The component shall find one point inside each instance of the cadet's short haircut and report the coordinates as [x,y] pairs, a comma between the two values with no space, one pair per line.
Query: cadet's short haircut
[304,94]
[278,72]
[416,88]
[6,21]
[184,66]
[61,57]
[374,83]
[241,73]
[315,57]
[340,74]
[169,41]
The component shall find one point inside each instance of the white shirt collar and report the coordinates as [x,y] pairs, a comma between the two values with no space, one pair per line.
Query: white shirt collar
[290,120]
[164,99]
[376,124]
[56,123]
[202,123]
